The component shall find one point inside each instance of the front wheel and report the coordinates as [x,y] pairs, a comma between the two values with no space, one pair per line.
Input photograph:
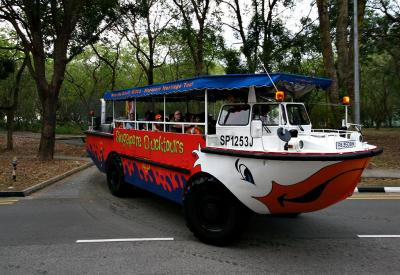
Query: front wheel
[286,215]
[212,213]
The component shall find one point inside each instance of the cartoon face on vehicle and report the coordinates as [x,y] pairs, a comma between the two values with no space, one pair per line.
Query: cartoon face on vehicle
[265,187]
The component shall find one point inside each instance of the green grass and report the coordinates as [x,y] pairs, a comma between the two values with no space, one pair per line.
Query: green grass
[69,129]
[388,139]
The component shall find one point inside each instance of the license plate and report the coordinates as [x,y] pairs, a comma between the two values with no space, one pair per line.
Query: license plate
[345,144]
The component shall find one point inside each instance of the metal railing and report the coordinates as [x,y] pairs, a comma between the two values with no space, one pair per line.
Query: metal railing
[148,125]
[332,132]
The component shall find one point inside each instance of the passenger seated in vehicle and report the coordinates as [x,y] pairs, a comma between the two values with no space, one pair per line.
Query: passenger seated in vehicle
[130,124]
[268,115]
[195,129]
[176,128]
[119,124]
[264,114]
[157,127]
[148,116]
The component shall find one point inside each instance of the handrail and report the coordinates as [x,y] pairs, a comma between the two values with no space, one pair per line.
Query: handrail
[138,122]
[332,131]
[325,133]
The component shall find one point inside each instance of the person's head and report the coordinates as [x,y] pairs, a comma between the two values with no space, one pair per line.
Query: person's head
[196,119]
[131,116]
[177,115]
[158,117]
[231,99]
[264,109]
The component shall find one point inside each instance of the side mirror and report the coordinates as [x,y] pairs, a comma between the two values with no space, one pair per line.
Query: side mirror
[256,128]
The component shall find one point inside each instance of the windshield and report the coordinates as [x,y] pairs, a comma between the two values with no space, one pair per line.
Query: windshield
[237,115]
[267,113]
[297,114]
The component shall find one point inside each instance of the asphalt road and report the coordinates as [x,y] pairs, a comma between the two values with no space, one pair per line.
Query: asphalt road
[38,235]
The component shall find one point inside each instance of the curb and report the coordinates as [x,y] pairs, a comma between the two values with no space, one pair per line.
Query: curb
[44,184]
[377,190]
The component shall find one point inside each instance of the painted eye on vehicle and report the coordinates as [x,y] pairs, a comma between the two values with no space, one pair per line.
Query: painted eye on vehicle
[244,172]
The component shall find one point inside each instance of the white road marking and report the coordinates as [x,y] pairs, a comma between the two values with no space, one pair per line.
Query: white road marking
[124,240]
[378,236]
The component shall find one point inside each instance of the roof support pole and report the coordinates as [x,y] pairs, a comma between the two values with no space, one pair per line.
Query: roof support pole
[206,112]
[136,126]
[113,111]
[164,115]
[103,111]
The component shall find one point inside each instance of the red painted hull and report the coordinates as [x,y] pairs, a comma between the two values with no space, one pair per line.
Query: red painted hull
[163,163]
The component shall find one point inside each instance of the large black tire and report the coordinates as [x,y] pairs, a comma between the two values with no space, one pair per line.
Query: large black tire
[115,177]
[287,215]
[212,213]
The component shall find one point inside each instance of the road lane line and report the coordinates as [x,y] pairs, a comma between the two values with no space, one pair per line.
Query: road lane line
[124,240]
[378,236]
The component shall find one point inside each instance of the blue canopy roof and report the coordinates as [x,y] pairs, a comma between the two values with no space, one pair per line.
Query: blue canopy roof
[293,83]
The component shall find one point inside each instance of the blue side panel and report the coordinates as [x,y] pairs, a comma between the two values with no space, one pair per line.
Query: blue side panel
[97,157]
[160,181]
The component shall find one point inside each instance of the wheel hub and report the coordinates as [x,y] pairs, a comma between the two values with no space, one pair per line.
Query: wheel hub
[210,212]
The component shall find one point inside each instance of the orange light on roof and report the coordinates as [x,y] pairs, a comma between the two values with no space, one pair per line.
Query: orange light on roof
[346,100]
[279,96]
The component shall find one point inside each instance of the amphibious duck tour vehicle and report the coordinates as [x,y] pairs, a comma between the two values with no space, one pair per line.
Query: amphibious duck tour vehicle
[255,153]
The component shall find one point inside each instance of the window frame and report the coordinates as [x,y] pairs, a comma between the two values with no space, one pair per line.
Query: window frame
[297,104]
[280,115]
[237,125]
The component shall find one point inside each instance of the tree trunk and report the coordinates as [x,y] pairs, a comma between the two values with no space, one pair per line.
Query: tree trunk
[327,54]
[199,61]
[47,139]
[378,124]
[14,106]
[150,74]
[199,68]
[342,43]
[10,128]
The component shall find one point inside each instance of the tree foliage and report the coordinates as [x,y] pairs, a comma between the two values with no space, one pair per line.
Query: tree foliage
[78,49]
[57,31]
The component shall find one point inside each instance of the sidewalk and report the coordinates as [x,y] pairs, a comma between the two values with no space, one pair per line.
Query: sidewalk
[381,173]
[37,135]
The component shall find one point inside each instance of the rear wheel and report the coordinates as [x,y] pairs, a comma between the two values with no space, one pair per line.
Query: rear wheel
[212,213]
[115,177]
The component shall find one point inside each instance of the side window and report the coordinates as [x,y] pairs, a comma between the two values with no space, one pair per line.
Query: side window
[234,115]
[267,113]
[297,114]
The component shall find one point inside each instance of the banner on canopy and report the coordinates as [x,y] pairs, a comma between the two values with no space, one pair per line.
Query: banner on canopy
[217,82]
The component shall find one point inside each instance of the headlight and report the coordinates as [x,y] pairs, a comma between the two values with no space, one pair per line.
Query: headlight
[296,144]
